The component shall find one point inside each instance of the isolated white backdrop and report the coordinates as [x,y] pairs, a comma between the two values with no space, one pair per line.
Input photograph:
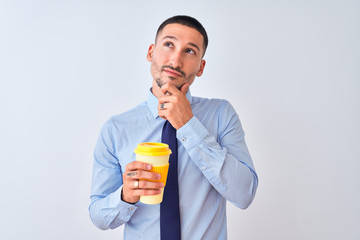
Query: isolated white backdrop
[290,68]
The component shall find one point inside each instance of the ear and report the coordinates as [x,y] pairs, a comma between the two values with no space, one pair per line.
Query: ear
[201,70]
[150,52]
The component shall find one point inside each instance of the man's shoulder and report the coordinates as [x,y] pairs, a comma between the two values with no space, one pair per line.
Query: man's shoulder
[210,102]
[205,108]
[128,116]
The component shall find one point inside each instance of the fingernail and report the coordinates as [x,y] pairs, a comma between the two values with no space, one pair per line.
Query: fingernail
[159,176]
[148,167]
[162,185]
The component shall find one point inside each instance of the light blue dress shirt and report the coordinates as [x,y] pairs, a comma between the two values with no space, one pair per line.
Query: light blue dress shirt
[214,165]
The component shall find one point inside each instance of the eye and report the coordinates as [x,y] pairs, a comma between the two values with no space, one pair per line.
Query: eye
[191,51]
[168,44]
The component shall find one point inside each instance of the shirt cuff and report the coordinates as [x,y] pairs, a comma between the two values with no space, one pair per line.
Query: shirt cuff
[192,133]
[126,209]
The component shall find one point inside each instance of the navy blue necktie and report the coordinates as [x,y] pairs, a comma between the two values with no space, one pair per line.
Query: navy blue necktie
[169,208]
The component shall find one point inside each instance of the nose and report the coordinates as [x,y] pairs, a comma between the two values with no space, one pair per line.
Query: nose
[176,59]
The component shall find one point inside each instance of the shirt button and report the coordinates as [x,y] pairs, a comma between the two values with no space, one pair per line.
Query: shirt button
[183,139]
[131,208]
[203,168]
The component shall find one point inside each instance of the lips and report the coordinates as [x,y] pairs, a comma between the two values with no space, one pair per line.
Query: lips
[172,73]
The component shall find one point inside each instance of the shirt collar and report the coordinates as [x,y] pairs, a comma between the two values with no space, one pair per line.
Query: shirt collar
[153,102]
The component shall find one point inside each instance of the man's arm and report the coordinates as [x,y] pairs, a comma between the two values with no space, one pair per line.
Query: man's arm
[225,160]
[112,192]
[107,210]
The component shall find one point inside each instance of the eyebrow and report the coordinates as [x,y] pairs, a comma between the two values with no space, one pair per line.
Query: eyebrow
[190,43]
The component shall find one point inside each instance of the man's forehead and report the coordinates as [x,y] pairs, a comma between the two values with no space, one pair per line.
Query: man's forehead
[178,31]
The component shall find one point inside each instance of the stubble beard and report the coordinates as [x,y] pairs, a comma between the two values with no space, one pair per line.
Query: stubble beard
[160,81]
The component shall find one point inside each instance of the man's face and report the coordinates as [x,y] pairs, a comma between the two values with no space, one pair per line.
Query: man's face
[176,56]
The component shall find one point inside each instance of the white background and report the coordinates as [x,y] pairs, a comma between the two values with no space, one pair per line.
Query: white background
[290,68]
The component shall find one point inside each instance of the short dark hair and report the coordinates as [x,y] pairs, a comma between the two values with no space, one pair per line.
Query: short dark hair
[187,21]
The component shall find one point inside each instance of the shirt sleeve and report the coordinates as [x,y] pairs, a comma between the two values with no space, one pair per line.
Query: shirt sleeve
[224,160]
[106,209]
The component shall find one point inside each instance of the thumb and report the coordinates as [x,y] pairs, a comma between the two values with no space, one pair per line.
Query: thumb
[185,88]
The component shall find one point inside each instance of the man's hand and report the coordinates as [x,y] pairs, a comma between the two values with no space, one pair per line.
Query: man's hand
[174,106]
[132,191]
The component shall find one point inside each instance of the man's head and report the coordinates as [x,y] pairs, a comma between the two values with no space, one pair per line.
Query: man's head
[177,55]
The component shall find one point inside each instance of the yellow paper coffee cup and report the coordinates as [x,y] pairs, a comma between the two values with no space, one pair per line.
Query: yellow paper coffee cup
[156,154]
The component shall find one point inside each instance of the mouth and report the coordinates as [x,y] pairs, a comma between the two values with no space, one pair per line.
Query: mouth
[173,73]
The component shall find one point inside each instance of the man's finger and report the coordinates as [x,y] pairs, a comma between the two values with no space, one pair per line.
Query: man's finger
[169,89]
[136,165]
[146,192]
[132,174]
[161,106]
[143,175]
[185,88]
[150,185]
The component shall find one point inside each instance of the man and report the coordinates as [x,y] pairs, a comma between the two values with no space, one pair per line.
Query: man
[213,162]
